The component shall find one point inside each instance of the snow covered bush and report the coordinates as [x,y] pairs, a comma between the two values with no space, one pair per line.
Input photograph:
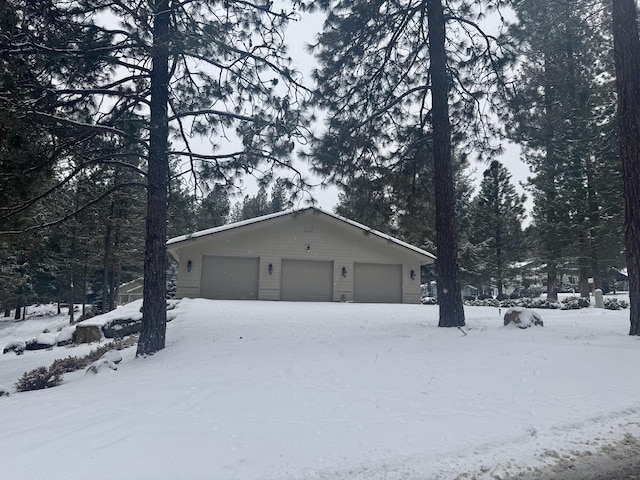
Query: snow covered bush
[43,377]
[38,378]
[69,364]
[614,304]
[429,301]
[575,303]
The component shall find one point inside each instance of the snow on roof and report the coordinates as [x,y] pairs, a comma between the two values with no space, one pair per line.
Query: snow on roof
[251,221]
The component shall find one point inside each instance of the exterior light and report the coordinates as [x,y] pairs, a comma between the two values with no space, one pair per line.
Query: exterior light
[413,274]
[344,272]
[189,265]
[271,269]
[308,248]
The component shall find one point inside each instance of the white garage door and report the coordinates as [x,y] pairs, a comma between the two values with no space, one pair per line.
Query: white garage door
[306,281]
[377,283]
[229,278]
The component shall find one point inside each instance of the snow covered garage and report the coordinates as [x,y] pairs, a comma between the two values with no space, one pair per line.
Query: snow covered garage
[299,255]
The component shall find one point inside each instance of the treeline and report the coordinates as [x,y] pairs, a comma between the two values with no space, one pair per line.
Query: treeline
[84,259]
[558,105]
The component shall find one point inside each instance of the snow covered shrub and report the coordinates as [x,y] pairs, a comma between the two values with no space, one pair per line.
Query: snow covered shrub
[532,292]
[43,377]
[119,344]
[69,364]
[575,303]
[614,304]
[429,301]
[38,378]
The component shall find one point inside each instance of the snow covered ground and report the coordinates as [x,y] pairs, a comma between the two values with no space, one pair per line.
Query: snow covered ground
[275,390]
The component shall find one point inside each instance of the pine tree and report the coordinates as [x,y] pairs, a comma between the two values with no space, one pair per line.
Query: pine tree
[562,117]
[497,215]
[213,210]
[397,70]
[207,69]
[627,61]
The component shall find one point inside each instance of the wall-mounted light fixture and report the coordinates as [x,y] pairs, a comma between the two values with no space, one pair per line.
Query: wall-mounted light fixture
[189,265]
[413,274]
[308,248]
[271,269]
[344,272]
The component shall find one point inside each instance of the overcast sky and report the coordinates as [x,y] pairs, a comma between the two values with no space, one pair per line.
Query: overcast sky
[304,32]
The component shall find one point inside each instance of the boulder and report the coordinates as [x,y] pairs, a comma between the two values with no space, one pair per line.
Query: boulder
[65,336]
[101,364]
[122,327]
[522,317]
[87,333]
[113,356]
[41,342]
[16,346]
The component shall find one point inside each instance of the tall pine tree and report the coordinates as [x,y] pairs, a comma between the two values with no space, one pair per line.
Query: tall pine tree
[497,214]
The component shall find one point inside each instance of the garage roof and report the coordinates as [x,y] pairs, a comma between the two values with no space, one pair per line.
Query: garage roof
[251,221]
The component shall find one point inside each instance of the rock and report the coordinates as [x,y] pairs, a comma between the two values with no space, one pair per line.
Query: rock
[16,346]
[122,327]
[41,342]
[87,333]
[4,391]
[101,364]
[65,336]
[522,317]
[113,356]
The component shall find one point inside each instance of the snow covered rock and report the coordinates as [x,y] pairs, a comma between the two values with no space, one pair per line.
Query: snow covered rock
[101,364]
[42,341]
[122,327]
[522,317]
[65,336]
[113,356]
[4,391]
[15,346]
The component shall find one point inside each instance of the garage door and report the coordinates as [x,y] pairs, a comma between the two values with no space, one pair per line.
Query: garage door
[306,281]
[377,283]
[230,278]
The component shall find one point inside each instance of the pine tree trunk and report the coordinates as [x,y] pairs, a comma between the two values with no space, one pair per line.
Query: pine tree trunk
[627,60]
[449,293]
[154,313]
[72,279]
[7,312]
[583,277]
[18,312]
[552,281]
[107,262]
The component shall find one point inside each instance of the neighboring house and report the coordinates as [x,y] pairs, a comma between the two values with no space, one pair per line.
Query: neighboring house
[299,255]
[130,291]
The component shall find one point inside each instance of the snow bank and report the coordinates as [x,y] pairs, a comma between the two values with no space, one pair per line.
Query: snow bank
[276,390]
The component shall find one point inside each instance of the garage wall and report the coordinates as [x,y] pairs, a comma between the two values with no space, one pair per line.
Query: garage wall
[307,235]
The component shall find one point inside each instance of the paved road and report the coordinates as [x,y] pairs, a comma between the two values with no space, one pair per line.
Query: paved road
[619,461]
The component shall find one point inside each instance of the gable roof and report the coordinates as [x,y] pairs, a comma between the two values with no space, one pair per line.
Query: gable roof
[251,221]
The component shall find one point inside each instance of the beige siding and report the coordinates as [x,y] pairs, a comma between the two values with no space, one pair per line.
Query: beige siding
[305,236]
